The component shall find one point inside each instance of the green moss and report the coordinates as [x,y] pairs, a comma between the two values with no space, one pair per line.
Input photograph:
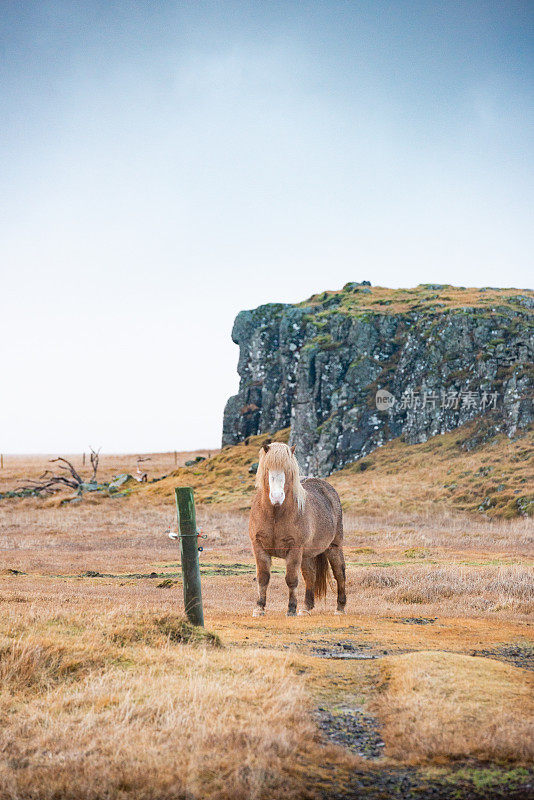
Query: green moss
[322,341]
[483,778]
[320,428]
[357,361]
[416,552]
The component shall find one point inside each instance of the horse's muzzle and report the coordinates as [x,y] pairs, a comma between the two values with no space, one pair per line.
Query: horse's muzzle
[277,500]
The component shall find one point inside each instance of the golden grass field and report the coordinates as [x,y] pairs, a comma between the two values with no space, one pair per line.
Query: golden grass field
[105,692]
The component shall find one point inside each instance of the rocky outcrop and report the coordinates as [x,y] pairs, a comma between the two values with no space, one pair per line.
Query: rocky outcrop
[350,370]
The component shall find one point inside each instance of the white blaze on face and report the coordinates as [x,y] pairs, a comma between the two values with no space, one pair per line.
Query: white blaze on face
[277,481]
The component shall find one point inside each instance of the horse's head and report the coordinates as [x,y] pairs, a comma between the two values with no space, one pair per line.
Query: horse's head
[278,473]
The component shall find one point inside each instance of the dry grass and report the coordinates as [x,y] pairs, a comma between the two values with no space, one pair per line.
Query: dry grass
[149,717]
[495,478]
[492,480]
[113,536]
[444,705]
[28,664]
[443,530]
[447,565]
[451,589]
[104,692]
[422,298]
[18,468]
[223,480]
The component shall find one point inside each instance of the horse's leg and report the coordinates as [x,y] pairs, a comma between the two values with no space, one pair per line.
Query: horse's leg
[263,575]
[337,562]
[293,562]
[308,573]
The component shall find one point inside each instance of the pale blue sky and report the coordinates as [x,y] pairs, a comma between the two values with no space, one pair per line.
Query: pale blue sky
[166,164]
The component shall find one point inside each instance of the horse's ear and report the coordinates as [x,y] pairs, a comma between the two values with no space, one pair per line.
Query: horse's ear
[266,444]
[293,449]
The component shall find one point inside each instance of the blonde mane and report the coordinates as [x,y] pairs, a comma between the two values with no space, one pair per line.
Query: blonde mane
[280,457]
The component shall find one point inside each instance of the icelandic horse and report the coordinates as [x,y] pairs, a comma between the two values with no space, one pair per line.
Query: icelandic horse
[301,522]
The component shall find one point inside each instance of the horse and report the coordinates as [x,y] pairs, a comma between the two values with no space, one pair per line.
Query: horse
[299,521]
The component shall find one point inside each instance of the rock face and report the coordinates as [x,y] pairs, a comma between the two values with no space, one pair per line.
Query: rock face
[436,355]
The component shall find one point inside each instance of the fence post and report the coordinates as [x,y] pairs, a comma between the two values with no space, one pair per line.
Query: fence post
[185,506]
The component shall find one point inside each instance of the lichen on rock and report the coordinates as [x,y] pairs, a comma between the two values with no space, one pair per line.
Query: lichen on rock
[441,355]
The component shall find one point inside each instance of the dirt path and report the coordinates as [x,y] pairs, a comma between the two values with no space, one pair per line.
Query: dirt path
[339,661]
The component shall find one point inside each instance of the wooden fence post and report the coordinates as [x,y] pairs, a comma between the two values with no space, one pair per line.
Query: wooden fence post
[187,523]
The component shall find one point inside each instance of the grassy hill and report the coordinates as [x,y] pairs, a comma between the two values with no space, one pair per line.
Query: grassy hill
[494,478]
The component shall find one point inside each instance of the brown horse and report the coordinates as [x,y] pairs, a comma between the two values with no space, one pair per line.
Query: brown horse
[298,521]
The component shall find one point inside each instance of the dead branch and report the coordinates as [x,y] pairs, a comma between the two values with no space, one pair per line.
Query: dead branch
[69,468]
[50,482]
[94,462]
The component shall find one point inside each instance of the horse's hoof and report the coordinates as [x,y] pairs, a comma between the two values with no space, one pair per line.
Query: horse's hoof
[339,611]
[258,612]
[292,613]
[304,613]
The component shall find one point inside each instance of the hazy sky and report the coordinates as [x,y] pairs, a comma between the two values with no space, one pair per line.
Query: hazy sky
[165,164]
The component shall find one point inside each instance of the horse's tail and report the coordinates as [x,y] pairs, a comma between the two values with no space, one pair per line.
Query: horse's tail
[322,575]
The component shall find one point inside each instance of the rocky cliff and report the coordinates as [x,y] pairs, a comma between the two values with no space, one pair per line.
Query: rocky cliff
[349,370]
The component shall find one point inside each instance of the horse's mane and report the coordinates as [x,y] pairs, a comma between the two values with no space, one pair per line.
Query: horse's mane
[280,457]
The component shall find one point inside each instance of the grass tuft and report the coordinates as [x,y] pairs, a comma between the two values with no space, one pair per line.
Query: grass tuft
[33,664]
[154,630]
[436,705]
